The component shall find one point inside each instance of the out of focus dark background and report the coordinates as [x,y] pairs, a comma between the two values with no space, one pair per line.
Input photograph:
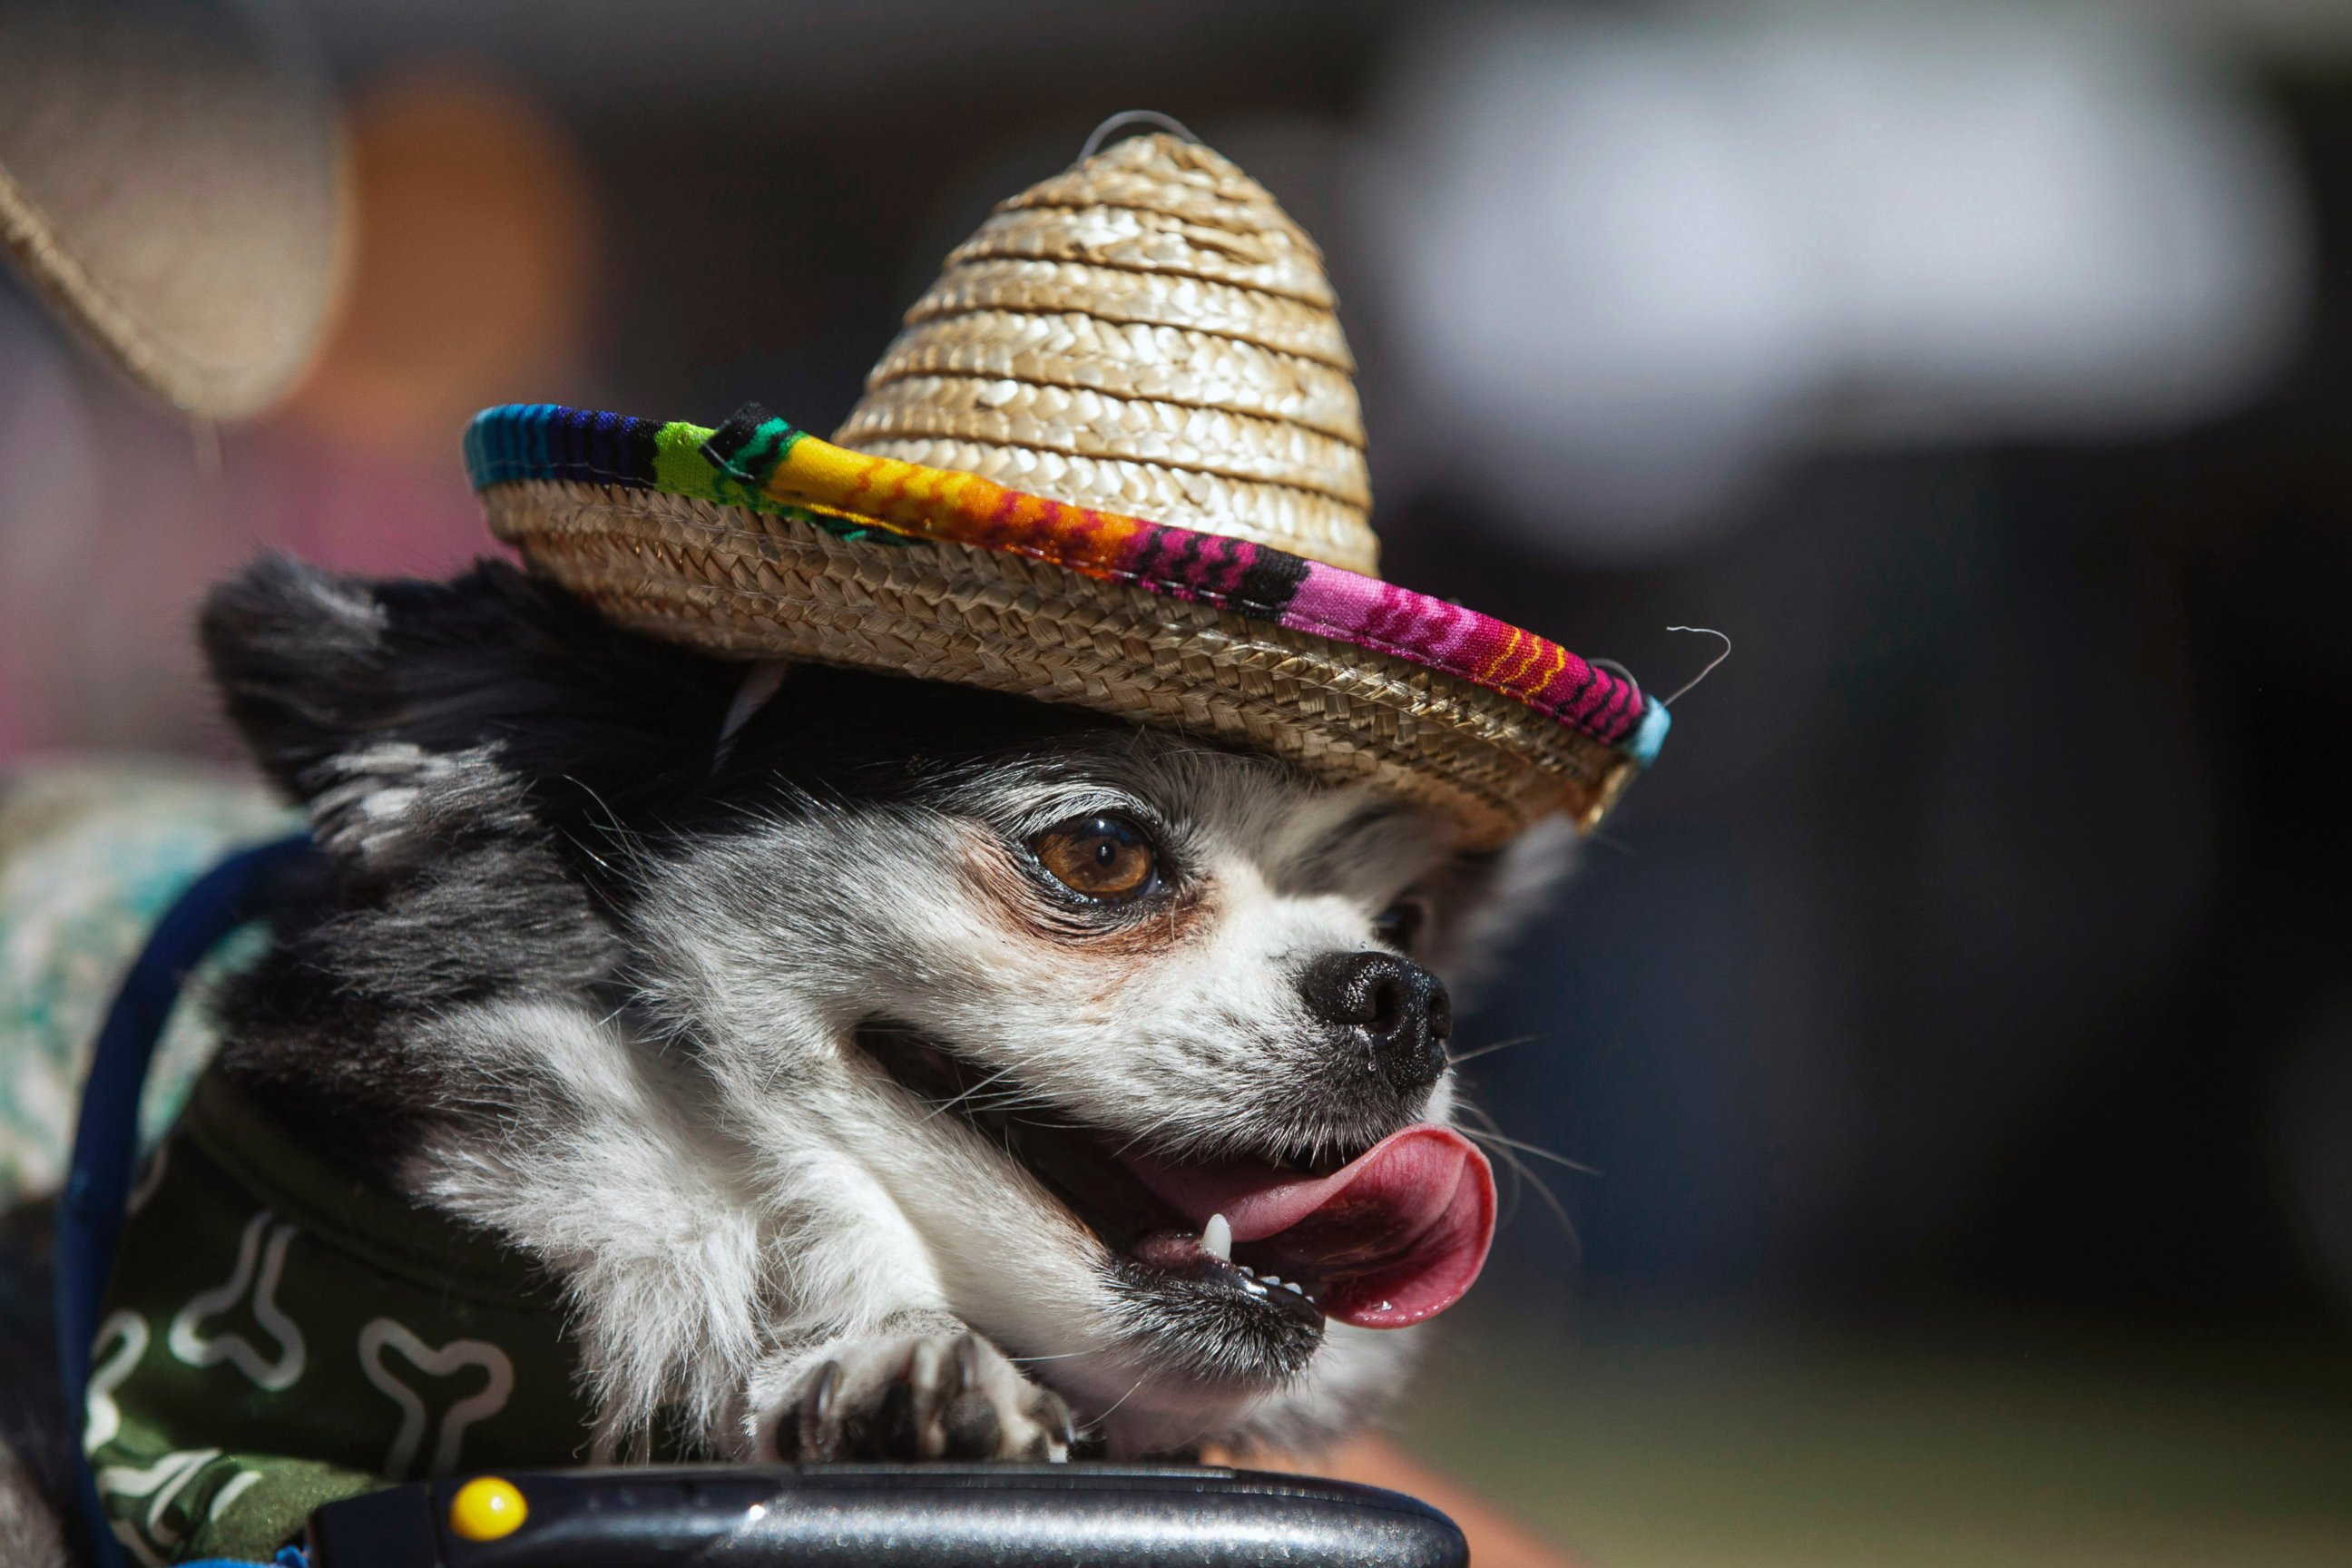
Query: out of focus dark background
[1958,1021]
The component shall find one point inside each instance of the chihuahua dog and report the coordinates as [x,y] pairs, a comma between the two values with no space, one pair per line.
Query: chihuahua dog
[881,1068]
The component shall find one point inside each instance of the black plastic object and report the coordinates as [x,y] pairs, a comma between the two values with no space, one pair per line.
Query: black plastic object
[902,1516]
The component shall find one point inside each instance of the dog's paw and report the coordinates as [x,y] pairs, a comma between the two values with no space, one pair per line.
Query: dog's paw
[946,1396]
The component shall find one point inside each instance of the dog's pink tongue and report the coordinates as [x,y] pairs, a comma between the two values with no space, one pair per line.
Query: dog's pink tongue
[1397,1235]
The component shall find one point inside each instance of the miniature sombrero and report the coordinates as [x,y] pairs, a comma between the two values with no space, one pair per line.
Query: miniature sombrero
[1144,336]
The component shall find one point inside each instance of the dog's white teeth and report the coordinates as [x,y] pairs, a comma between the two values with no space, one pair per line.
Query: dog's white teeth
[1246,1269]
[1292,1286]
[1217,1238]
[1273,1279]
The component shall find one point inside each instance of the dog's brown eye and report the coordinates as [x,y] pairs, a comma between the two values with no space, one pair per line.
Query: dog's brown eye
[1100,856]
[1397,925]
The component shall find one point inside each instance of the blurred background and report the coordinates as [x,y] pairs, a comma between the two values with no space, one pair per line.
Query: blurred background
[1953,1036]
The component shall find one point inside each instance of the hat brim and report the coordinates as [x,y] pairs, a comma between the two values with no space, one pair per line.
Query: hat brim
[760,540]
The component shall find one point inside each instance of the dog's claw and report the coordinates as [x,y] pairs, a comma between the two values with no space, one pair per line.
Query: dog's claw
[925,1376]
[819,1435]
[923,1396]
[1064,1430]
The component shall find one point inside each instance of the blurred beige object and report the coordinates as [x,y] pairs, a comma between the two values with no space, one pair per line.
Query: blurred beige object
[171,182]
[1146,334]
[473,267]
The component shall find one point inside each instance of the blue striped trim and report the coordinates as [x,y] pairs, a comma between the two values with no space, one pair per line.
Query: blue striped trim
[548,441]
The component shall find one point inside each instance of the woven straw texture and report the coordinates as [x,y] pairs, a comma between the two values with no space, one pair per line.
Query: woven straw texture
[758,584]
[1146,334]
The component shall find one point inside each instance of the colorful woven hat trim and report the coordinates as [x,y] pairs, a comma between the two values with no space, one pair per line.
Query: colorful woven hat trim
[757,461]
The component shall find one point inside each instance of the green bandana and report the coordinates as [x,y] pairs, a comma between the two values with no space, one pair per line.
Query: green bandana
[282,1332]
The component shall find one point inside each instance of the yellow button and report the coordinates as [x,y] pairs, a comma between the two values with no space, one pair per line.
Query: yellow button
[487,1508]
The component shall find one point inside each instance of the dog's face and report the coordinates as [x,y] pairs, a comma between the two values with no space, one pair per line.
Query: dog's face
[1067,987]
[1145,1040]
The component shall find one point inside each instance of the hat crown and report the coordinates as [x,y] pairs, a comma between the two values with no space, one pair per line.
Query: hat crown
[1145,332]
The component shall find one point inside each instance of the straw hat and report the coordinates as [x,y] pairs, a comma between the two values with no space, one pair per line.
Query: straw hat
[1113,459]
[170,181]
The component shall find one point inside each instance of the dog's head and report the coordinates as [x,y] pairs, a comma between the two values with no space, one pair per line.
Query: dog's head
[1145,1039]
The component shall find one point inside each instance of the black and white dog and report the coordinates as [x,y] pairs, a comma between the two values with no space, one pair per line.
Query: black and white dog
[882,1068]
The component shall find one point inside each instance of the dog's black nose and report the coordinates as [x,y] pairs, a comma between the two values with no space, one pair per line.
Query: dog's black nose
[1400,1009]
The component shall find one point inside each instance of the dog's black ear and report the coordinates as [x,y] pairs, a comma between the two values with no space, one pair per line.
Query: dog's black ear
[332,680]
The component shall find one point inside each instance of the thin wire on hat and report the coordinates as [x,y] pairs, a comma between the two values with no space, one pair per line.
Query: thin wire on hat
[1126,117]
[1613,666]
[1688,686]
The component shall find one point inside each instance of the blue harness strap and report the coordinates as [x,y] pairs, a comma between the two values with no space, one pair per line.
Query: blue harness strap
[234,893]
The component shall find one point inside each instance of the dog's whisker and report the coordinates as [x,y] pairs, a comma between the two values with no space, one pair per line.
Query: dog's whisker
[1537,1149]
[1458,1057]
[1523,1178]
[1095,1425]
[1521,1175]
[945,1105]
[1486,1128]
